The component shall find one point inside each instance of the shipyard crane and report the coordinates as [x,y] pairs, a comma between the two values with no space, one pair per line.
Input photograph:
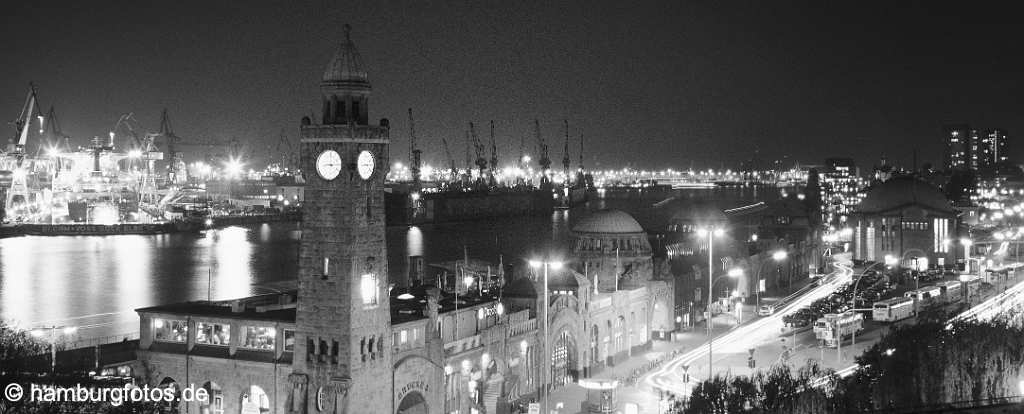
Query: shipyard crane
[171,142]
[29,110]
[478,147]
[542,148]
[145,142]
[414,154]
[565,153]
[451,160]
[286,149]
[16,150]
[174,142]
[53,133]
[494,156]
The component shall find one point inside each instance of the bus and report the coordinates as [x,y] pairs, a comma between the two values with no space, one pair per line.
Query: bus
[892,310]
[925,296]
[952,291]
[833,327]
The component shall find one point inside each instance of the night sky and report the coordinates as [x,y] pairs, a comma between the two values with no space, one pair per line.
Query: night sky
[673,84]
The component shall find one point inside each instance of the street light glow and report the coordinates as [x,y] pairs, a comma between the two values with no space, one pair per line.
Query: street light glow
[779,255]
[735,272]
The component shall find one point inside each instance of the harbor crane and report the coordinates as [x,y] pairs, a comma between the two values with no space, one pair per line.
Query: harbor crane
[494,156]
[478,147]
[451,160]
[542,147]
[414,154]
[176,169]
[565,153]
[286,150]
[29,110]
[16,150]
[54,135]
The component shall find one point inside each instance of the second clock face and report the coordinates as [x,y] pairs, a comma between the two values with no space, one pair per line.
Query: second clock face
[365,164]
[328,164]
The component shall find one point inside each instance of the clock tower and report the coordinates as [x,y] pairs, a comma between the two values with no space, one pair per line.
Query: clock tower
[342,360]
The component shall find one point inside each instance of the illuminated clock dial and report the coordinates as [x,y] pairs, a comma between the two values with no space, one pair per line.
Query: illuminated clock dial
[365,164]
[328,164]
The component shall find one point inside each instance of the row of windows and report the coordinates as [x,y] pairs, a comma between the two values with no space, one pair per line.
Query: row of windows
[260,338]
[595,244]
[915,225]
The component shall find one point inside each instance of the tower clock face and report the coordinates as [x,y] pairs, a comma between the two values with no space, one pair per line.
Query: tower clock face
[365,164]
[328,164]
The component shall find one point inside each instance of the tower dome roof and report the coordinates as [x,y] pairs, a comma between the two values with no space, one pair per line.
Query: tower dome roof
[346,65]
[608,221]
[901,192]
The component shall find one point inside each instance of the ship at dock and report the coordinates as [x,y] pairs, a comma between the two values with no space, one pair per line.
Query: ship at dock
[129,181]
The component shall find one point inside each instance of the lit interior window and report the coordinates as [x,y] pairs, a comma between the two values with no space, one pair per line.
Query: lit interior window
[368,286]
[258,337]
[170,330]
[213,334]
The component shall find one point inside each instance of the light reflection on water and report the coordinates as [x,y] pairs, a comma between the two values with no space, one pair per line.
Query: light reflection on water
[97,282]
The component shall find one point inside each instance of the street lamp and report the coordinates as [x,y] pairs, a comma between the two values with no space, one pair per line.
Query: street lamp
[777,256]
[732,273]
[547,353]
[67,330]
[853,339]
[967,254]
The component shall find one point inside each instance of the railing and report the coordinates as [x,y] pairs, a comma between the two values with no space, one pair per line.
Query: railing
[103,340]
[518,328]
[464,344]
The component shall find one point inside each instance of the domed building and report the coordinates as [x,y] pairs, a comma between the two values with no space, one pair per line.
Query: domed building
[612,247]
[905,220]
[606,302]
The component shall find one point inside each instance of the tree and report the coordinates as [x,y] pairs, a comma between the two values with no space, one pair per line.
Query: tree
[25,361]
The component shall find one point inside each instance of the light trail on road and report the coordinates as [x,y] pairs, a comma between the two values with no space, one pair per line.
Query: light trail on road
[989,309]
[669,376]
[984,311]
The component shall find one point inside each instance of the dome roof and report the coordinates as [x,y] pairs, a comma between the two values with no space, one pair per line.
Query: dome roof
[608,221]
[901,192]
[346,65]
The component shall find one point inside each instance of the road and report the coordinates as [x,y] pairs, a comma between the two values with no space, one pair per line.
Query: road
[730,349]
[738,341]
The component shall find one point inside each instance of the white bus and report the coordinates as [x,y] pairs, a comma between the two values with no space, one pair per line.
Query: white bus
[951,291]
[925,296]
[833,327]
[893,309]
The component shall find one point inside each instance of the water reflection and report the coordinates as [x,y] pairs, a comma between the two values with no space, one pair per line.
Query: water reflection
[99,281]
[231,263]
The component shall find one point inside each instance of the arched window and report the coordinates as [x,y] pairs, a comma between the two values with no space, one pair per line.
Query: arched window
[255,401]
[214,403]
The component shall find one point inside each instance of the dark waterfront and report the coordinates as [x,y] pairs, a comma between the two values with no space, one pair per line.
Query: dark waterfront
[95,282]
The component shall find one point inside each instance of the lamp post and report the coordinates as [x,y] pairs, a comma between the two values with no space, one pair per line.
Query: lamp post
[732,273]
[967,254]
[853,339]
[777,256]
[547,353]
[67,330]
